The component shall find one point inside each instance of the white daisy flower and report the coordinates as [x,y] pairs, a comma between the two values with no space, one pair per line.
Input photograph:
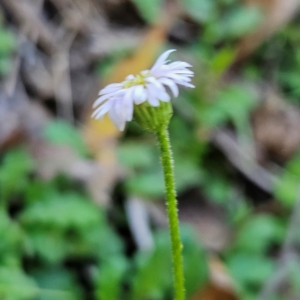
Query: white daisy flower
[118,99]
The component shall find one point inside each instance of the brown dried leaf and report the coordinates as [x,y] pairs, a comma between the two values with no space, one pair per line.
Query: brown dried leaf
[58,159]
[220,285]
[276,127]
[13,102]
[207,219]
[212,292]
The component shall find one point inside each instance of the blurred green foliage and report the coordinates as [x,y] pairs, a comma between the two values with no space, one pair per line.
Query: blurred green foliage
[146,178]
[248,258]
[56,243]
[52,234]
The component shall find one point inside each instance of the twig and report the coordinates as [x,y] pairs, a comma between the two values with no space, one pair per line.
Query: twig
[61,77]
[139,223]
[244,163]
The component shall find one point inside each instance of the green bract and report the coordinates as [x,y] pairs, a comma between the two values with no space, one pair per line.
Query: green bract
[152,118]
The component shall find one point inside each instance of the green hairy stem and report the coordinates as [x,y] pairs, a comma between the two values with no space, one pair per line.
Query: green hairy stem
[171,203]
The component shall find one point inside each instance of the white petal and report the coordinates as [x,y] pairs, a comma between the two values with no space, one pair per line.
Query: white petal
[180,78]
[182,75]
[152,99]
[189,72]
[102,110]
[130,77]
[100,100]
[145,72]
[140,94]
[150,79]
[162,59]
[121,125]
[179,65]
[116,116]
[110,88]
[129,94]
[187,84]
[155,82]
[165,97]
[124,109]
[106,96]
[162,95]
[171,84]
[117,121]
[161,71]
[128,109]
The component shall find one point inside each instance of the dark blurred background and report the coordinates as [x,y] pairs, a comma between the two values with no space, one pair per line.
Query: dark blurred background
[82,205]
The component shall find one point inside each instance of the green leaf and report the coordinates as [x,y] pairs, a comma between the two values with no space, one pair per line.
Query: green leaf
[50,246]
[222,60]
[200,10]
[64,211]
[15,285]
[259,233]
[195,261]
[149,9]
[217,188]
[149,183]
[186,154]
[57,284]
[62,133]
[182,136]
[5,65]
[240,21]
[287,190]
[187,173]
[235,101]
[232,103]
[62,225]
[148,283]
[136,155]
[291,80]
[16,166]
[250,269]
[38,189]
[7,42]
[109,278]
[11,237]
[98,239]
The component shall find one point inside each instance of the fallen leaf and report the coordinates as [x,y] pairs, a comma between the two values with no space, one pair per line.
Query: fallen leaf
[220,286]
[276,127]
[207,219]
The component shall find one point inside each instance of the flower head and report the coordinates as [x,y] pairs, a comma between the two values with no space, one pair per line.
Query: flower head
[153,86]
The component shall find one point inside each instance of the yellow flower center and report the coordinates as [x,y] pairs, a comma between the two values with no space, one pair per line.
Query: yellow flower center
[138,79]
